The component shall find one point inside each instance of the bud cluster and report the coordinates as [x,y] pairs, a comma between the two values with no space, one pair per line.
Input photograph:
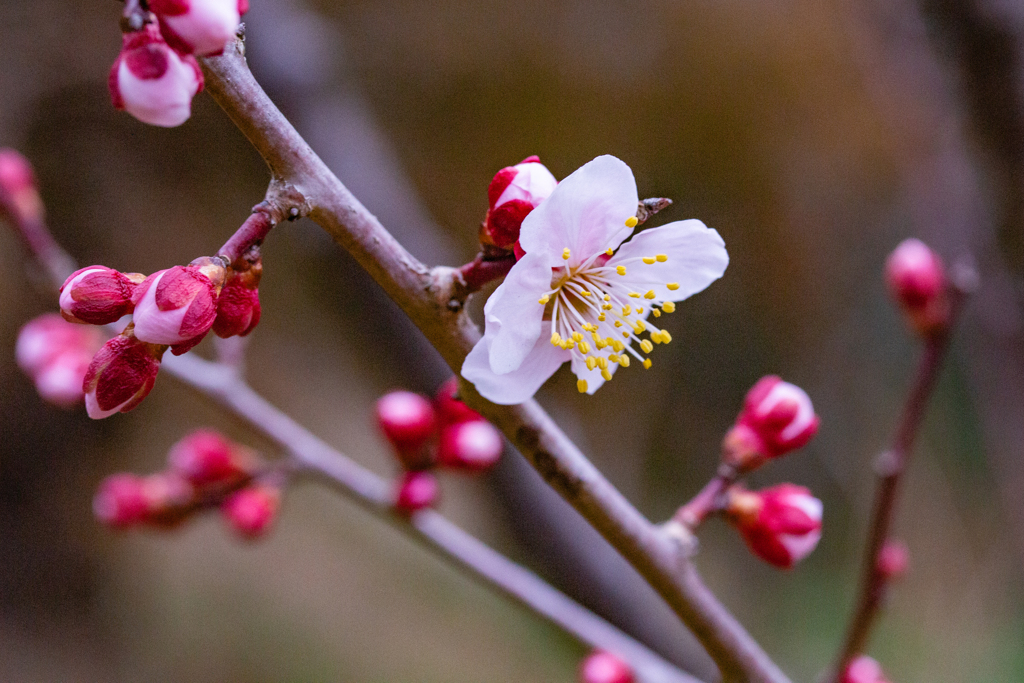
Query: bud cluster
[514,192]
[56,355]
[156,75]
[204,471]
[428,434]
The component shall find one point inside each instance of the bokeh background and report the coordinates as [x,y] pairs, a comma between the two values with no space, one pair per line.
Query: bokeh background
[813,135]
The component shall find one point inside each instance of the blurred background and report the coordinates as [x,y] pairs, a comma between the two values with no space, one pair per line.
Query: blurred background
[814,136]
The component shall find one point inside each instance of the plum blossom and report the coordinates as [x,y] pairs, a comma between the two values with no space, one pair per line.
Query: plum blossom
[152,82]
[581,294]
[514,192]
[201,27]
[780,524]
[777,417]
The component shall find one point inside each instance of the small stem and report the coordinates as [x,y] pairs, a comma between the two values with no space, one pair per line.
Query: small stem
[708,501]
[251,233]
[37,237]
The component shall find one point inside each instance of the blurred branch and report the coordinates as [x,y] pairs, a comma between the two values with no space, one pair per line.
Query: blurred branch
[424,295]
[430,528]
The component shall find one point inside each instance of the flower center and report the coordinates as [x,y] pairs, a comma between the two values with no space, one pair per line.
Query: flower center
[596,313]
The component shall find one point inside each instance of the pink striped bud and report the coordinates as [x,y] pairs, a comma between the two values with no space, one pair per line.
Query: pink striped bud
[415,491]
[251,511]
[917,280]
[206,457]
[781,524]
[408,422]
[56,355]
[604,667]
[893,560]
[514,192]
[120,501]
[451,410]
[777,417]
[474,446]
[152,82]
[863,669]
[178,306]
[238,306]
[98,295]
[19,194]
[121,374]
[200,27]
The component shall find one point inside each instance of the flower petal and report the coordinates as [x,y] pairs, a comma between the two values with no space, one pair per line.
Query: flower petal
[516,386]
[513,313]
[696,258]
[586,212]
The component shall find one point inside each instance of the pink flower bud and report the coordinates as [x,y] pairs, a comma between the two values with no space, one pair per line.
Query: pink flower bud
[781,524]
[97,295]
[202,27]
[19,194]
[206,457]
[408,421]
[238,306]
[169,499]
[178,306]
[121,374]
[777,417]
[863,669]
[60,382]
[917,280]
[120,501]
[514,192]
[604,667]
[251,511]
[45,338]
[415,491]
[451,410]
[152,82]
[893,560]
[475,446]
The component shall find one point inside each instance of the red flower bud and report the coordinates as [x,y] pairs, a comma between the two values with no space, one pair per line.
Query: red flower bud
[178,306]
[415,491]
[202,27]
[893,560]
[408,421]
[97,295]
[475,446]
[781,524]
[56,355]
[604,667]
[863,669]
[238,306]
[777,417]
[251,511]
[514,192]
[451,410]
[917,280]
[120,501]
[169,499]
[121,374]
[152,82]
[19,194]
[206,457]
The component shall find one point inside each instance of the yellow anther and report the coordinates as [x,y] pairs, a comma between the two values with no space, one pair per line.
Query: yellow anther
[668,307]
[556,338]
[607,297]
[661,258]
[639,326]
[601,317]
[584,347]
[631,222]
[544,299]
[618,345]
[601,343]
[591,363]
[584,292]
[665,337]
[625,334]
[624,361]
[593,335]
[634,295]
[606,307]
[568,344]
[648,260]
[673,286]
[576,337]
[655,312]
[609,251]
[650,294]
[646,345]
[647,363]
[639,309]
[613,358]
[565,253]
[626,310]
[621,270]
[607,375]
[618,323]
[602,363]
[581,384]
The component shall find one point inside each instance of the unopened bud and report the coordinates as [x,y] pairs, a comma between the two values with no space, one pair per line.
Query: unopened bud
[56,355]
[863,669]
[777,417]
[19,194]
[169,499]
[451,410]
[781,524]
[474,446]
[514,192]
[178,306]
[604,667]
[408,421]
[121,374]
[120,501]
[415,491]
[893,560]
[917,280]
[98,295]
[200,27]
[152,82]
[251,511]
[206,457]
[238,306]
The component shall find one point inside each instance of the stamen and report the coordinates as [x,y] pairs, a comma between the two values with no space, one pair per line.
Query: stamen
[634,295]
[624,361]
[650,294]
[544,299]
[646,345]
[673,286]
[668,307]
[655,312]
[648,260]
[632,221]
[581,384]
[661,258]
[607,375]
[577,337]
[556,339]
[565,253]
[647,363]
[602,363]
[584,347]
[591,363]
[621,270]
[609,251]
